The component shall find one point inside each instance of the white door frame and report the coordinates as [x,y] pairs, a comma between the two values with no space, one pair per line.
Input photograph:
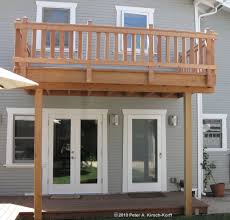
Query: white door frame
[161,116]
[83,113]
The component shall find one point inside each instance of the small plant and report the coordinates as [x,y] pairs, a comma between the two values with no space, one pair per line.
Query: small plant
[208,167]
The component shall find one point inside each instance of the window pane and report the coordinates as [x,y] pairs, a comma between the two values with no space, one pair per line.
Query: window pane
[56,15]
[24,150]
[212,130]
[61,151]
[135,20]
[144,147]
[89,151]
[24,126]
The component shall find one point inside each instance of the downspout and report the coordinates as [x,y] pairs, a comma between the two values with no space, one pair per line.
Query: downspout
[200,190]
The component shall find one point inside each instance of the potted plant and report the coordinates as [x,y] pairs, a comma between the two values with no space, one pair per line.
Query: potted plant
[208,167]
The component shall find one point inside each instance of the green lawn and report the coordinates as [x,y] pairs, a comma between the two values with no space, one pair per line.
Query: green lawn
[61,180]
[88,175]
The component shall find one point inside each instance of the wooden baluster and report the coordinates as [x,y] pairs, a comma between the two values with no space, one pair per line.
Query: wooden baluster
[142,47]
[167,49]
[125,47]
[134,47]
[116,47]
[17,51]
[191,55]
[183,50]
[71,44]
[200,51]
[52,44]
[98,46]
[89,42]
[210,61]
[175,50]
[213,51]
[208,51]
[107,41]
[79,45]
[151,45]
[62,44]
[151,54]
[34,42]
[159,49]
[43,44]
[24,33]
[89,54]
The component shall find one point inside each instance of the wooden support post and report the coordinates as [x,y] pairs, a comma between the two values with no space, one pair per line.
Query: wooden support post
[38,155]
[188,154]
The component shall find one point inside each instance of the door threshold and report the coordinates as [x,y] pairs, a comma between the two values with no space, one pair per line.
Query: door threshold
[65,196]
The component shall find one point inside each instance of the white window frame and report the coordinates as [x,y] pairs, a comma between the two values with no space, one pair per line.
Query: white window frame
[11,112]
[222,117]
[61,5]
[121,10]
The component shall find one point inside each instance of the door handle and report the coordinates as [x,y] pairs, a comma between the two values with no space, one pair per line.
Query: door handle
[72,157]
[160,155]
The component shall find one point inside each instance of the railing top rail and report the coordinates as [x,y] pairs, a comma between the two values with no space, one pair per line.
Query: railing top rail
[111,29]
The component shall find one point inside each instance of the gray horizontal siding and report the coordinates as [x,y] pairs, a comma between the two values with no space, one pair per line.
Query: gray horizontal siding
[18,180]
[169,14]
[219,103]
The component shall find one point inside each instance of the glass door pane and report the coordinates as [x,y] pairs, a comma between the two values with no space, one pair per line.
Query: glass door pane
[89,149]
[61,151]
[144,151]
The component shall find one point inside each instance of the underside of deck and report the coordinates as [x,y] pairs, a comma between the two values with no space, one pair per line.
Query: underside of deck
[106,205]
[113,82]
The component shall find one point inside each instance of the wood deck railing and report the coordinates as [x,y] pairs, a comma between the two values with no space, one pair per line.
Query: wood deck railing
[117,46]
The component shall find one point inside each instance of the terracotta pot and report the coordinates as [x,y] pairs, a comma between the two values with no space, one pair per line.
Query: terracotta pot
[218,189]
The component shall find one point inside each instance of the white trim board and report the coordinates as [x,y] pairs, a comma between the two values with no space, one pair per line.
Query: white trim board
[149,12]
[135,112]
[9,143]
[65,5]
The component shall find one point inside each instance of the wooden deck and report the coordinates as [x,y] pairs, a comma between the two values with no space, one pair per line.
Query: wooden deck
[98,60]
[106,205]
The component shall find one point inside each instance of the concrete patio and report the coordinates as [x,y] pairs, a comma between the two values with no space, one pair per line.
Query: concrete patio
[218,205]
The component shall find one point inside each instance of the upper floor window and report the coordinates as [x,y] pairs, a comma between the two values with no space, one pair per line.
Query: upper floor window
[214,132]
[134,17]
[55,12]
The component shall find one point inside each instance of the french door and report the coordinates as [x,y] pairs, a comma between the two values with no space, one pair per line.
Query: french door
[144,154]
[75,158]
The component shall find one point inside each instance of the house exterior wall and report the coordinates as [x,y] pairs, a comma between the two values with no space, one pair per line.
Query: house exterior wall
[169,14]
[219,103]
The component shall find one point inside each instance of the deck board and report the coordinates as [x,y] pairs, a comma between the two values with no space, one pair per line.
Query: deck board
[106,205]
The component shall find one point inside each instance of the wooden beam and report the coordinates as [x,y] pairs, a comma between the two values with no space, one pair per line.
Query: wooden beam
[59,75]
[121,88]
[188,154]
[38,155]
